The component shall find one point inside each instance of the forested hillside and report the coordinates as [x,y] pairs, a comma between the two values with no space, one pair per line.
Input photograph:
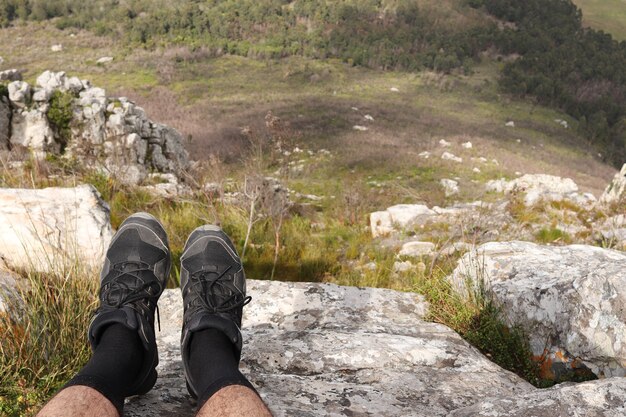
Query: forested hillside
[549,56]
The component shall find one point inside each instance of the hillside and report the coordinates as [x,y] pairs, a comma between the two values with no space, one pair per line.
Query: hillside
[360,143]
[606,15]
[548,55]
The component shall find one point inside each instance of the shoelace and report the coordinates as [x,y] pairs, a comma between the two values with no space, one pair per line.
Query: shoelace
[198,282]
[129,293]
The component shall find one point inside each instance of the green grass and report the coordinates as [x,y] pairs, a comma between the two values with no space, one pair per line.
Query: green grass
[552,235]
[43,345]
[329,240]
[606,15]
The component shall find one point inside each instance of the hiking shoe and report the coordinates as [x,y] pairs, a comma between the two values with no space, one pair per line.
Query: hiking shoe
[214,290]
[133,277]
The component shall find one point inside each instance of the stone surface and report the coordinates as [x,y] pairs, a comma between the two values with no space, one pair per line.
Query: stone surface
[603,398]
[616,190]
[613,231]
[19,93]
[111,134]
[104,60]
[325,350]
[8,287]
[5,123]
[537,187]
[43,229]
[417,249]
[411,217]
[447,156]
[450,187]
[30,129]
[10,75]
[569,299]
[404,215]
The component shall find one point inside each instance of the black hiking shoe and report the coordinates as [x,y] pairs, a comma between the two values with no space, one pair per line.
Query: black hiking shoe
[214,290]
[133,277]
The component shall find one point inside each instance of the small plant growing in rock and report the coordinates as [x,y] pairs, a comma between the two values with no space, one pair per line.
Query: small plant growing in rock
[60,114]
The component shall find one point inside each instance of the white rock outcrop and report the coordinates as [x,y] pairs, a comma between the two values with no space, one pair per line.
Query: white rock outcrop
[538,187]
[569,299]
[603,398]
[30,129]
[324,350]
[46,229]
[403,217]
[616,190]
[111,134]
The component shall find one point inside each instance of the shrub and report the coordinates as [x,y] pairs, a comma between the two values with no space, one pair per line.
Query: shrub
[60,114]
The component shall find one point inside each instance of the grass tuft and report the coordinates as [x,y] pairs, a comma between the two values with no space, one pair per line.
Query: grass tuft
[42,337]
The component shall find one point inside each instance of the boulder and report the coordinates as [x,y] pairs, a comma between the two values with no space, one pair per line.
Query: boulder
[104,60]
[450,187]
[616,190]
[10,75]
[569,299]
[50,81]
[403,215]
[19,93]
[31,129]
[539,187]
[603,398]
[447,156]
[381,224]
[324,350]
[45,229]
[417,249]
[113,135]
[8,287]
[5,123]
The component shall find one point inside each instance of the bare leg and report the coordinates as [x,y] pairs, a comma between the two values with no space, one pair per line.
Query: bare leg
[79,401]
[234,400]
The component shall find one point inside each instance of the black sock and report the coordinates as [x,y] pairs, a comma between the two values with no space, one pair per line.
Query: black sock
[213,364]
[114,368]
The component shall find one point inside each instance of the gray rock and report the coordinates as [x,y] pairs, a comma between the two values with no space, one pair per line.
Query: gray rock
[5,123]
[603,398]
[569,299]
[159,161]
[42,95]
[45,229]
[10,75]
[105,132]
[417,249]
[539,187]
[616,190]
[51,81]
[19,93]
[8,287]
[30,129]
[324,350]
[104,60]
[73,84]
[450,187]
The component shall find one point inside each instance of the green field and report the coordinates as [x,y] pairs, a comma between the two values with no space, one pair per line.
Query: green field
[606,15]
